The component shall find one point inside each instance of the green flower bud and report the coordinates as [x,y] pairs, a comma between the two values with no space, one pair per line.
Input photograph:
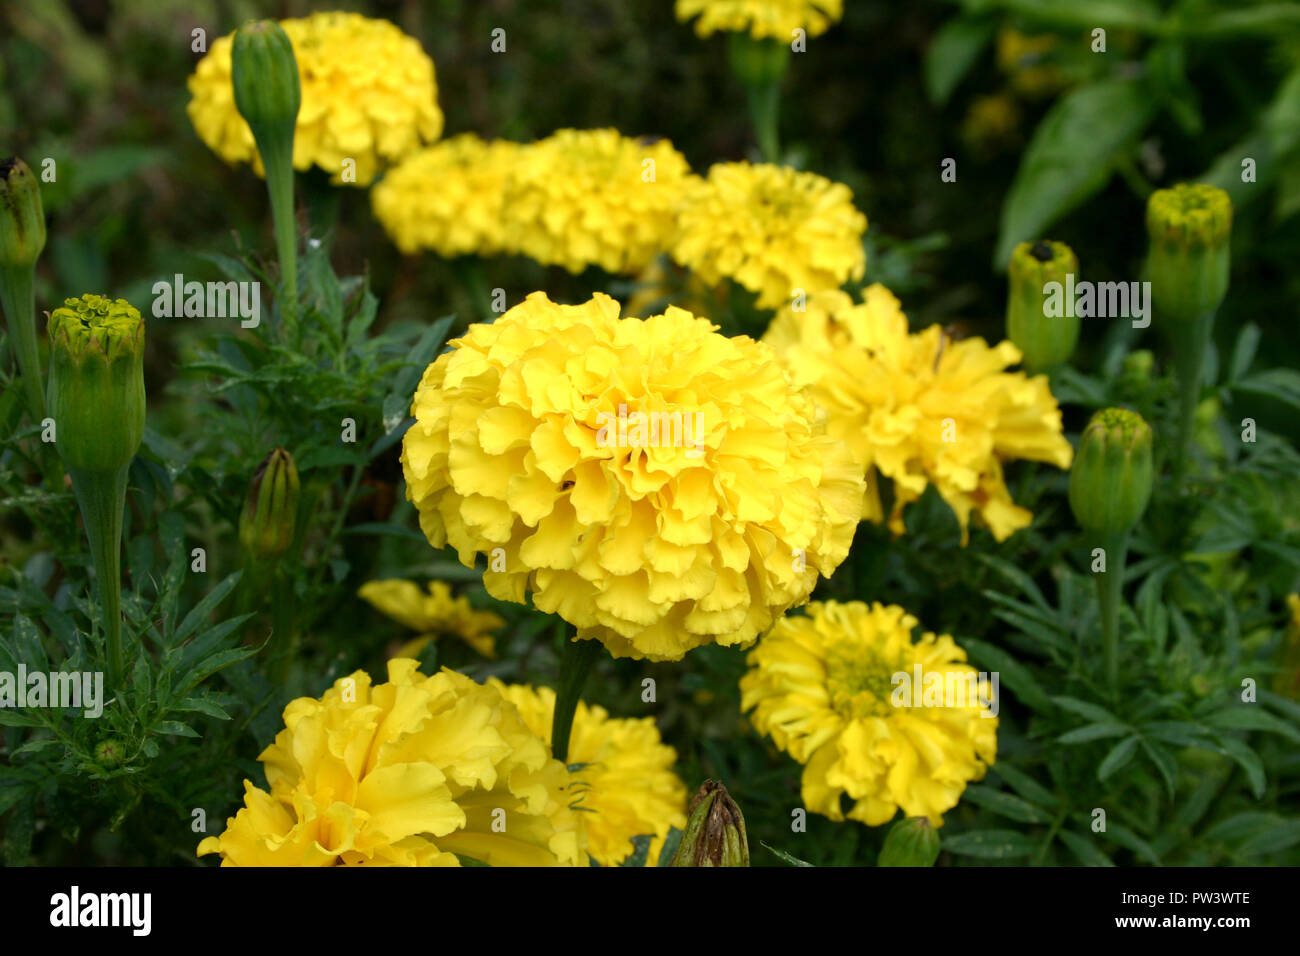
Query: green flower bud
[1044,341]
[96,390]
[910,842]
[1190,228]
[22,220]
[266,525]
[757,62]
[1110,482]
[109,753]
[264,73]
[715,830]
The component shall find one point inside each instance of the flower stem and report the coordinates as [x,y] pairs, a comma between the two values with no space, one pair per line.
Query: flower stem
[1110,589]
[278,163]
[764,109]
[1189,359]
[575,661]
[19,302]
[102,498]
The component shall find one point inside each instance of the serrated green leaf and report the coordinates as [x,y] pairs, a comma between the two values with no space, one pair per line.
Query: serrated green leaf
[1084,849]
[990,844]
[1118,757]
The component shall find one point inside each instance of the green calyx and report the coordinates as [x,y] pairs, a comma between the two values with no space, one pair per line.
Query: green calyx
[96,388]
[22,219]
[264,73]
[1112,475]
[910,842]
[268,521]
[1190,228]
[1044,341]
[715,830]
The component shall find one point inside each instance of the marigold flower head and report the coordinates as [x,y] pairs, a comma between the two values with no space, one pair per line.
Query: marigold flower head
[448,198]
[433,613]
[580,198]
[762,18]
[838,690]
[412,772]
[369,95]
[624,773]
[772,229]
[656,484]
[921,409]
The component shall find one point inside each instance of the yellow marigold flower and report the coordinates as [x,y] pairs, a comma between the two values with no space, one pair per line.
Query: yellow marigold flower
[656,484]
[413,772]
[772,229]
[1287,680]
[434,614]
[838,690]
[921,409]
[595,197]
[448,198]
[762,18]
[368,95]
[626,773]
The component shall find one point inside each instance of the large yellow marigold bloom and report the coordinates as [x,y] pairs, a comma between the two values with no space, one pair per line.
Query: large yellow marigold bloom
[762,18]
[368,95]
[625,773]
[826,688]
[772,229]
[921,408]
[434,613]
[413,772]
[656,484]
[448,198]
[595,197]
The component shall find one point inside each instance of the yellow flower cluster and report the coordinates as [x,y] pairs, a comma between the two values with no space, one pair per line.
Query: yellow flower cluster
[772,229]
[625,773]
[369,95]
[434,614]
[596,197]
[449,198]
[762,18]
[921,408]
[838,690]
[418,771]
[654,483]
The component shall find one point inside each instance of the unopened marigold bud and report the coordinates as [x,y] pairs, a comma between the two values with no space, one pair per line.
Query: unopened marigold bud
[266,525]
[1190,228]
[715,830]
[96,389]
[22,220]
[1110,482]
[264,73]
[910,842]
[1043,340]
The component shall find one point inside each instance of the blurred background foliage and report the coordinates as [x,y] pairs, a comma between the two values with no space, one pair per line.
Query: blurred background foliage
[1050,138]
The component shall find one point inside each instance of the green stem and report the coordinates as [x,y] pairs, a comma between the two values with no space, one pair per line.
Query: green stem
[323,199]
[575,661]
[278,162]
[469,270]
[1189,358]
[102,498]
[1110,589]
[283,614]
[764,109]
[19,301]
